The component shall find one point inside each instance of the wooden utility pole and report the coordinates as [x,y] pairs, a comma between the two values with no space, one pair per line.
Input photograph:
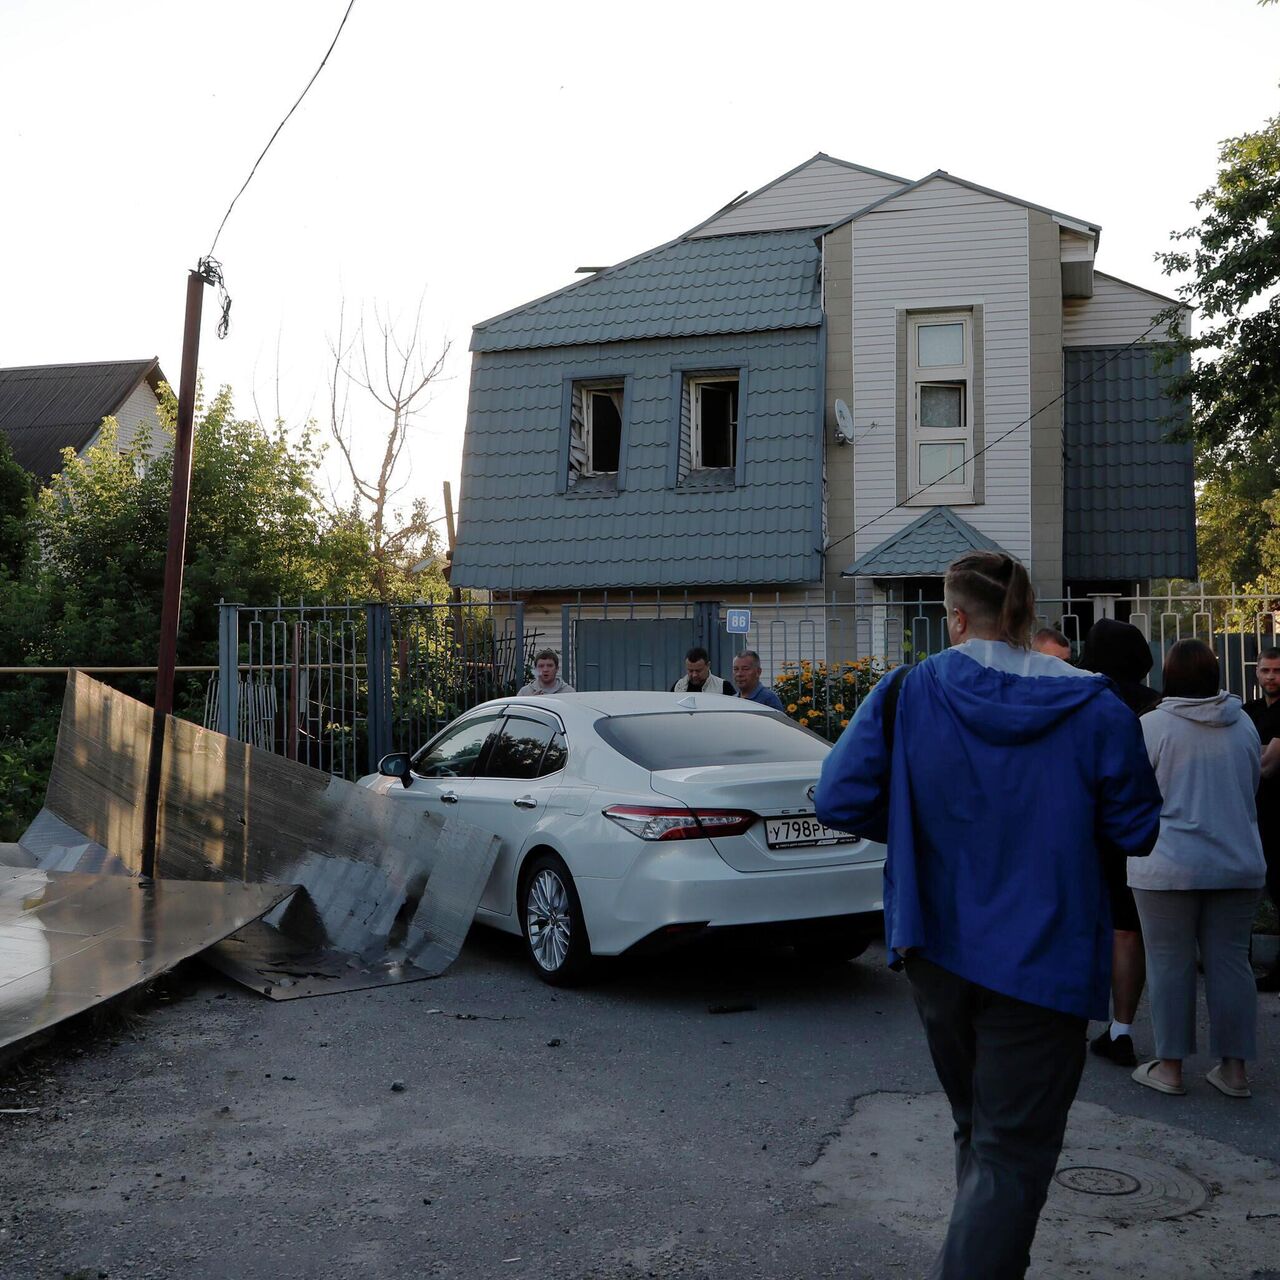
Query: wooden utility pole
[179,498]
[455,593]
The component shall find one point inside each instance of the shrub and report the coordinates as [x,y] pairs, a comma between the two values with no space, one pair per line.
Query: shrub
[822,696]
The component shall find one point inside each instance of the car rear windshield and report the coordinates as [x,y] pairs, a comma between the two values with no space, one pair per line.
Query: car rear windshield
[689,739]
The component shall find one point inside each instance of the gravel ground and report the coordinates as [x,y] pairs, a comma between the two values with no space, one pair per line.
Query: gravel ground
[487,1125]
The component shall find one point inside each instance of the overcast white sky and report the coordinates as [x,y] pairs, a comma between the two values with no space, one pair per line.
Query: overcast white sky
[478,153]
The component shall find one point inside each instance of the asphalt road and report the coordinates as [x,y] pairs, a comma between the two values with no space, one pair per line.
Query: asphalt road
[622,1130]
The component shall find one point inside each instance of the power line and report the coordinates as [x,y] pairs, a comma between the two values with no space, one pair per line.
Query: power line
[1004,436]
[280,126]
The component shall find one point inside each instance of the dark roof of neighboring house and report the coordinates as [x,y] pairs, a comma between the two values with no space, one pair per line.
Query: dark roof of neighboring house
[1129,503]
[923,549]
[741,283]
[45,408]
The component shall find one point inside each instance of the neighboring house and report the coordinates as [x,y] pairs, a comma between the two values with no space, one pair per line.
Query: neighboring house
[50,407]
[670,423]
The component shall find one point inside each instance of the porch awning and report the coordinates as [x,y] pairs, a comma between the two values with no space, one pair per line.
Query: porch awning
[923,549]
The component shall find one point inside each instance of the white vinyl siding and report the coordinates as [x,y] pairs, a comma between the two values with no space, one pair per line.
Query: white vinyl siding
[136,417]
[822,192]
[1118,313]
[942,246]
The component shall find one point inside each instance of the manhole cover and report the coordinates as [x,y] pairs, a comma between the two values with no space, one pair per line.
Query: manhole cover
[1126,1189]
[1091,1180]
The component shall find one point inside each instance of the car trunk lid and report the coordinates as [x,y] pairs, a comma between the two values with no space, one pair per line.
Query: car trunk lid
[773,792]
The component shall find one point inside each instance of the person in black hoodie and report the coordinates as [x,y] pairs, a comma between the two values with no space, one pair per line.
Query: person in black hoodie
[1120,651]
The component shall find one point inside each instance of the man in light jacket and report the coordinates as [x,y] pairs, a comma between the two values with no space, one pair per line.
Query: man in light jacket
[994,893]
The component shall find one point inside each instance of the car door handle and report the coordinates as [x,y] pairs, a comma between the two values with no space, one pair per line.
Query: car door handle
[448,797]
[525,802]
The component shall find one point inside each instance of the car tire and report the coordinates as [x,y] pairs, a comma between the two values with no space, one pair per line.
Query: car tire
[555,933]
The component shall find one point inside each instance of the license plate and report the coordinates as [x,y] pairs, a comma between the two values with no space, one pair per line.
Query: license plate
[802,829]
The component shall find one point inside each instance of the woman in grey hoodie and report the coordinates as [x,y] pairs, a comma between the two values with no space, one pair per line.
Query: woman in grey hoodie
[1202,881]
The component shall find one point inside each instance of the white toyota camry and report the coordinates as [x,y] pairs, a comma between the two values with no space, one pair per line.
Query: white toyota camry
[638,819]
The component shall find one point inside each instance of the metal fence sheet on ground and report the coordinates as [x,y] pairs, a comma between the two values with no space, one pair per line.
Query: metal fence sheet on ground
[378,877]
[69,941]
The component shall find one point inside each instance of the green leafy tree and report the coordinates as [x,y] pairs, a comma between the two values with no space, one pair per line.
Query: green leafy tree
[257,531]
[1236,529]
[1233,257]
[15,511]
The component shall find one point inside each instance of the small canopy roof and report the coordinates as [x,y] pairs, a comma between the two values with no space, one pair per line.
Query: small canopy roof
[923,549]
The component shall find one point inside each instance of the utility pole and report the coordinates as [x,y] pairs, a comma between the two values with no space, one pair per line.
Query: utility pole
[455,594]
[171,606]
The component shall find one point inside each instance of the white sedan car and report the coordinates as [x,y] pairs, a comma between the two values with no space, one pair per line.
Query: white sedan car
[632,819]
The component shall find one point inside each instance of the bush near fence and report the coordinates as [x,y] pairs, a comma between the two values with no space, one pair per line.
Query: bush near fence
[823,696]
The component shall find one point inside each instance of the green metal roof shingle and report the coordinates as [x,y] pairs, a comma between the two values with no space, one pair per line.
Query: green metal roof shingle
[923,549]
[1129,509]
[718,284]
[520,530]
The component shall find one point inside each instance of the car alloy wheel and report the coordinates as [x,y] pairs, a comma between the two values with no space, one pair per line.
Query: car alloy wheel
[550,925]
[553,926]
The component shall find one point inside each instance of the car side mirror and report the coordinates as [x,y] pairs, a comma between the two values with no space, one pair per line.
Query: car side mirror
[396,765]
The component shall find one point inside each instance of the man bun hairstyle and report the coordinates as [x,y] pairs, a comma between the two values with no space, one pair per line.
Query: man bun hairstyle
[994,588]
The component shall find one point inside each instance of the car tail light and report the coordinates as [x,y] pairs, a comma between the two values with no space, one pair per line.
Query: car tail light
[678,824]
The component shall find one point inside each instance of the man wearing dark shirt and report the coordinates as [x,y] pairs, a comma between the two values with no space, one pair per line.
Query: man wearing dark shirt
[697,676]
[1265,714]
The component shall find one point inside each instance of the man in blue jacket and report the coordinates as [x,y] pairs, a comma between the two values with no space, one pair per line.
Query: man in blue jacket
[1003,782]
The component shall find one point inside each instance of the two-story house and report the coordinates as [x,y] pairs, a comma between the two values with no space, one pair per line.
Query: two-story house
[833,386]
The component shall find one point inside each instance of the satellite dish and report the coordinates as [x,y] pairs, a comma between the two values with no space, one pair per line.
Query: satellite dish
[844,423]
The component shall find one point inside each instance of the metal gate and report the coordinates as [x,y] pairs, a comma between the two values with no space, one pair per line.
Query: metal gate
[339,686]
[639,645]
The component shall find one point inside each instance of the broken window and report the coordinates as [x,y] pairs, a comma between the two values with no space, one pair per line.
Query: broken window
[713,421]
[595,429]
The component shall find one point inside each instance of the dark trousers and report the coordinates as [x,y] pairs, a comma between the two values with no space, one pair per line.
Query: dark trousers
[1010,1071]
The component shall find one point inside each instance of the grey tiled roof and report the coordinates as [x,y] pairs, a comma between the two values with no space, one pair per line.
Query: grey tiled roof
[50,407]
[1129,510]
[923,548]
[520,530]
[719,284]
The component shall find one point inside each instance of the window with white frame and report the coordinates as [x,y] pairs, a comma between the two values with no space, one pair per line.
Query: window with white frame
[940,408]
[595,429]
[713,421]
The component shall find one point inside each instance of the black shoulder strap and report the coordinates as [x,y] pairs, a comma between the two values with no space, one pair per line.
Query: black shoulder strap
[890,711]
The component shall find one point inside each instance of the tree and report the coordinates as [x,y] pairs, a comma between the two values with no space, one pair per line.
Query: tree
[398,382]
[1233,255]
[1236,526]
[257,530]
[15,510]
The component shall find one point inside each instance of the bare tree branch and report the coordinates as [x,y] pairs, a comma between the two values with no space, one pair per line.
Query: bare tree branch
[401,391]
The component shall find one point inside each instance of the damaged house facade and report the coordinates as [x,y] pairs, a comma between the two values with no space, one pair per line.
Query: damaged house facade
[826,392]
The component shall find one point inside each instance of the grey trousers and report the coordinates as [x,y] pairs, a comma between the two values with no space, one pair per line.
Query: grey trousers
[1010,1071]
[1219,922]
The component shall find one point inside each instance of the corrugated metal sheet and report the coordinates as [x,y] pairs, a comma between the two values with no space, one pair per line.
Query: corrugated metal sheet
[923,549]
[47,408]
[1129,511]
[721,284]
[519,532]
